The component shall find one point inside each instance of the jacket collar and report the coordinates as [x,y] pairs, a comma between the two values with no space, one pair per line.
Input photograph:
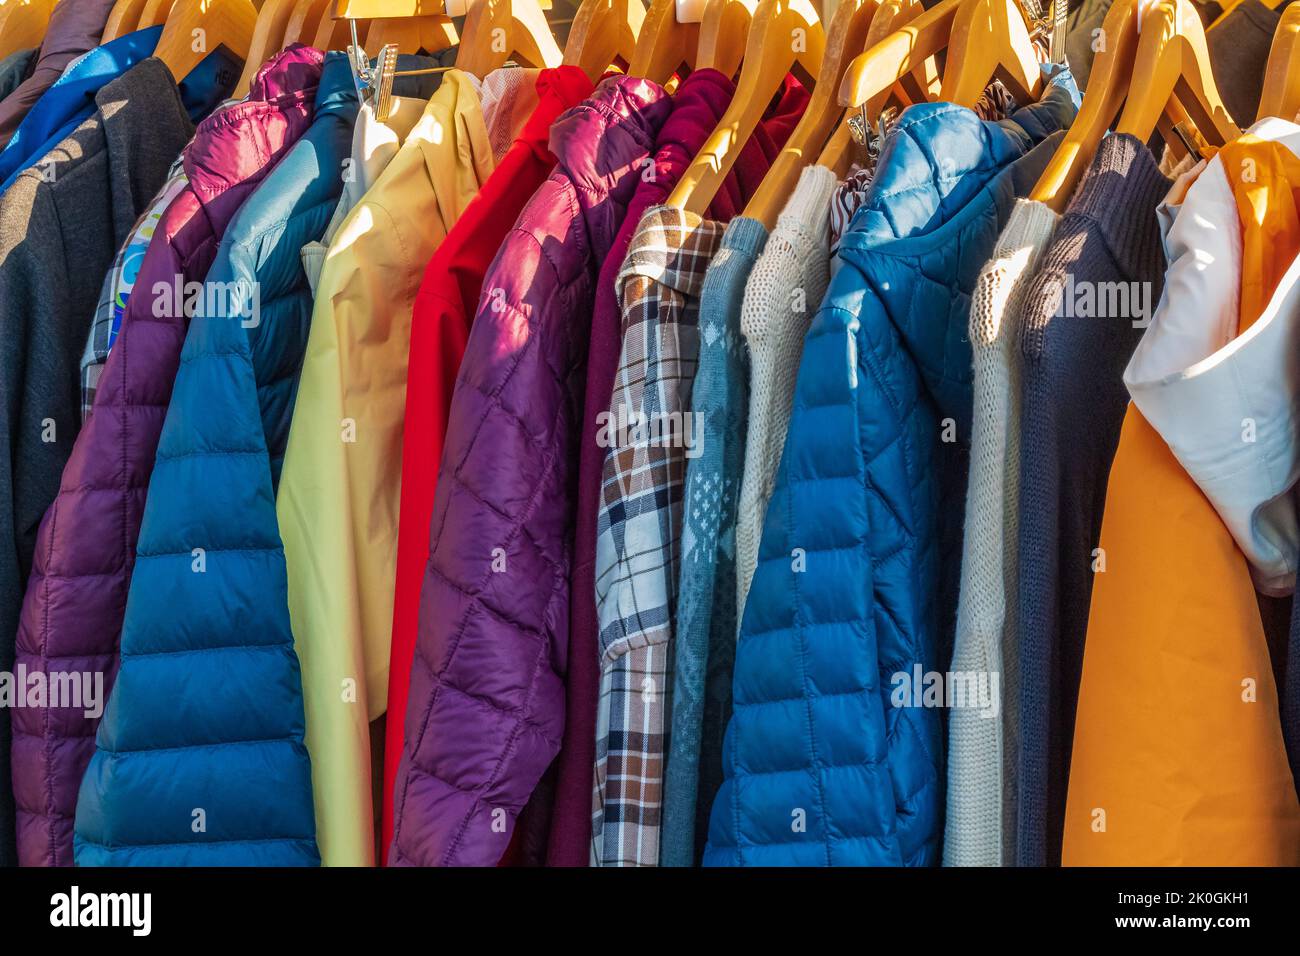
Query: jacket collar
[452,135]
[242,141]
[598,142]
[73,28]
[938,156]
[1124,174]
[133,108]
[75,91]
[697,107]
[208,85]
[337,94]
[671,248]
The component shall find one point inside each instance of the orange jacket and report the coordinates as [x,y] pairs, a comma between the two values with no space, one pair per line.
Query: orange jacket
[1178,753]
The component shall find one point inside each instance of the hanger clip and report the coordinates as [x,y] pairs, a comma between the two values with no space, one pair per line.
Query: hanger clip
[1060,9]
[862,133]
[362,76]
[387,69]
[1047,27]
[374,84]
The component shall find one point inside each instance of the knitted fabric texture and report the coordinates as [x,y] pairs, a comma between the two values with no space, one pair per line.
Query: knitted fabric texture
[707,617]
[1073,406]
[982,740]
[784,290]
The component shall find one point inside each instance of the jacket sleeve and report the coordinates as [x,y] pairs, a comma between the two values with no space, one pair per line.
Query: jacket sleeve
[486,708]
[806,781]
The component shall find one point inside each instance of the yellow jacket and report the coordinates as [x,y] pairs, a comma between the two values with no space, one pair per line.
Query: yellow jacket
[1178,752]
[338,497]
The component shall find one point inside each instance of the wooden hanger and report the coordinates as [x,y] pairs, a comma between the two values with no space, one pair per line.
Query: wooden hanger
[411,26]
[1281,95]
[724,28]
[268,39]
[664,45]
[989,38]
[1108,86]
[153,13]
[785,34]
[303,21]
[1172,61]
[602,32]
[897,55]
[332,34]
[845,36]
[124,18]
[228,23]
[919,83]
[922,84]
[499,30]
[23,23]
[429,33]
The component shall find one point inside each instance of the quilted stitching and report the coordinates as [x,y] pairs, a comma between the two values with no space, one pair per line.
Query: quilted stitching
[852,580]
[224,737]
[485,713]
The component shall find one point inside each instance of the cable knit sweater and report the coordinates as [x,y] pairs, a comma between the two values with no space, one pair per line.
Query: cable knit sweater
[982,733]
[784,289]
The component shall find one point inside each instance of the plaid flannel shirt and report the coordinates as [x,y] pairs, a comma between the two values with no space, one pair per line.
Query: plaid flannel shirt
[639,526]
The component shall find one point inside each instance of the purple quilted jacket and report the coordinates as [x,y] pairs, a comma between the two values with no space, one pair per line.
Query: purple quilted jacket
[486,708]
[85,551]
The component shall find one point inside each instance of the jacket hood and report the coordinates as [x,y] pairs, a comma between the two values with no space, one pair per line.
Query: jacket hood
[938,156]
[1225,402]
[943,170]
[598,140]
[243,141]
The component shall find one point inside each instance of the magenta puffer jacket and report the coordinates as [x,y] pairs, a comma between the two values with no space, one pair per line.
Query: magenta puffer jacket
[486,709]
[76,597]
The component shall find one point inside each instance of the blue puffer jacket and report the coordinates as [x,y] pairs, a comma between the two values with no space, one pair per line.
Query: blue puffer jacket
[854,584]
[207,713]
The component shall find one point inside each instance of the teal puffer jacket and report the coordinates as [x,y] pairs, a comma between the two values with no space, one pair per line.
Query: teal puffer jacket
[200,758]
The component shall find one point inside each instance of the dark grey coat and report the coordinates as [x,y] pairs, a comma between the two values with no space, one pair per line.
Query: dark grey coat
[61,223]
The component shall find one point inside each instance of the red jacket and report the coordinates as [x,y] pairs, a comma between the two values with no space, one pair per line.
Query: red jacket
[444,308]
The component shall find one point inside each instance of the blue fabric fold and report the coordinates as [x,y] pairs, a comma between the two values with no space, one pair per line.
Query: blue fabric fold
[72,99]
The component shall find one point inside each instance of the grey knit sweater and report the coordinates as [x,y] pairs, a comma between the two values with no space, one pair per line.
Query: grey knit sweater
[1073,402]
[982,732]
